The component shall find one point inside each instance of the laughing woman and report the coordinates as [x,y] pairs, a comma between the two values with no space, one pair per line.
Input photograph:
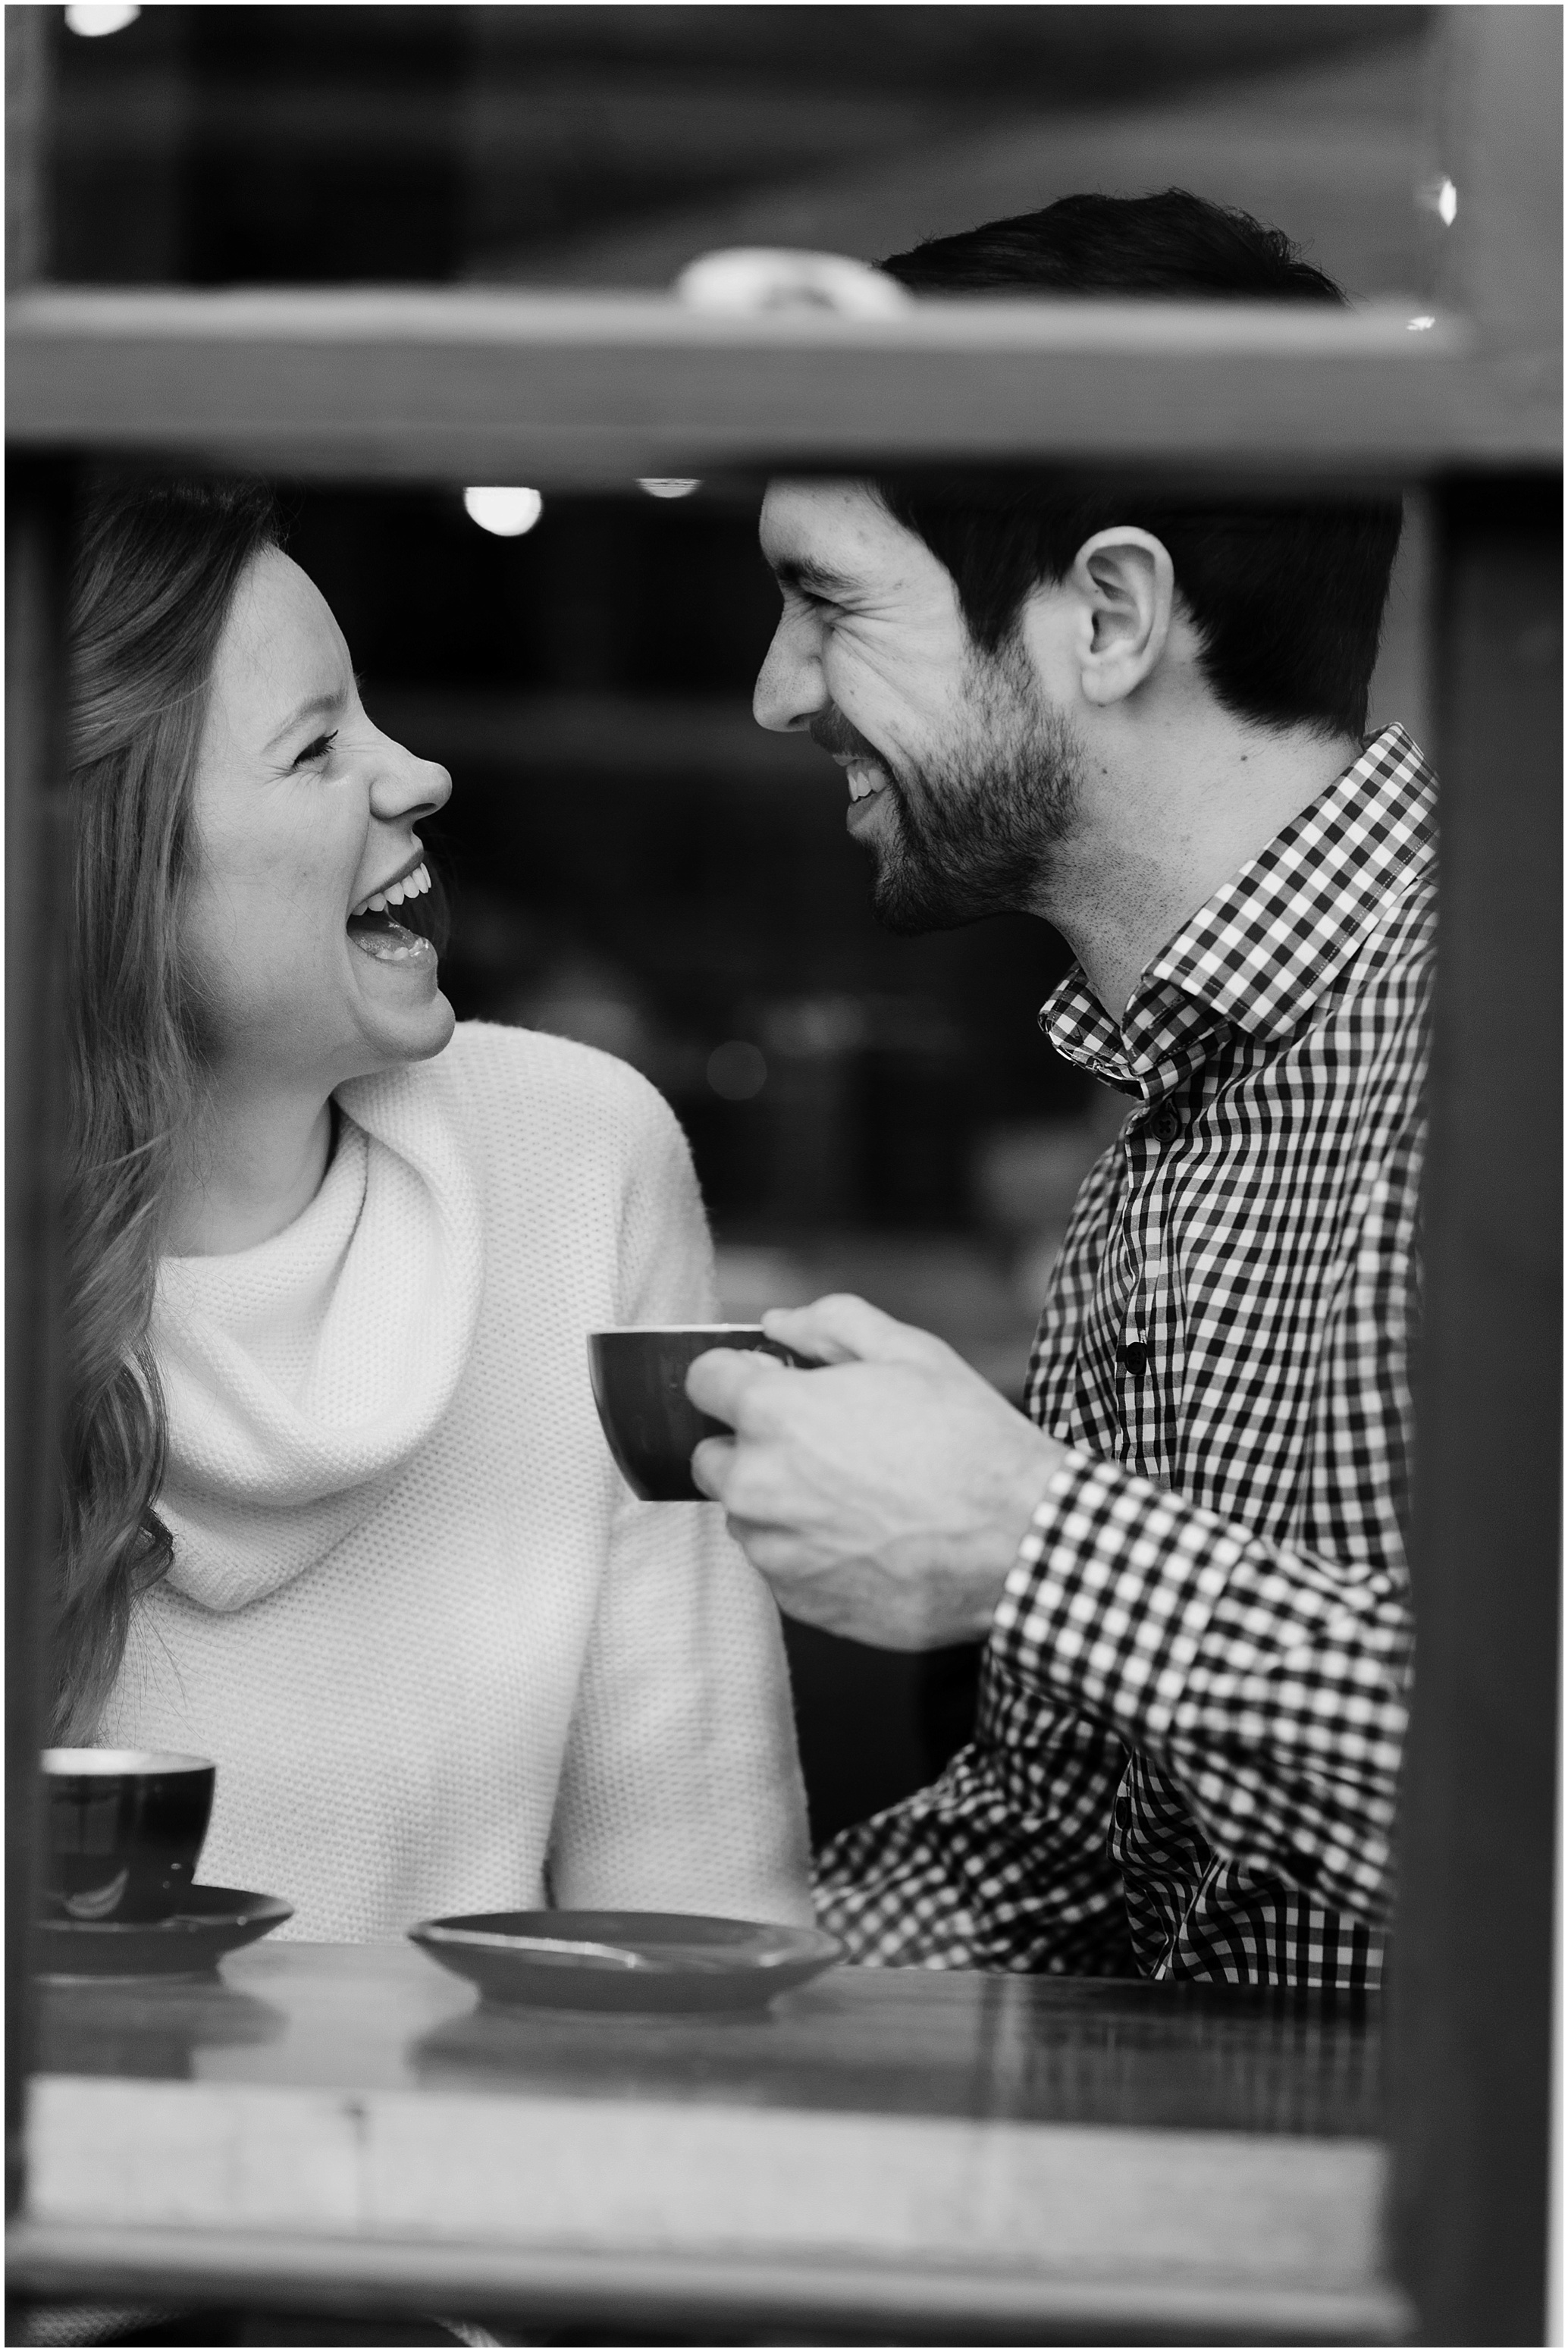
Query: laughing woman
[338,1513]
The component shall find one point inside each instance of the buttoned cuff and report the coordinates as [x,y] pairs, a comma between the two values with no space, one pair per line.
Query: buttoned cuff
[1111,1593]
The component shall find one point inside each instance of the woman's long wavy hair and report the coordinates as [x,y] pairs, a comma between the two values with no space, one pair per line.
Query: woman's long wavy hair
[155,578]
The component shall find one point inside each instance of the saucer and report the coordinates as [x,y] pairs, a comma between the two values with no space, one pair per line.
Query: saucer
[635,1960]
[211,1921]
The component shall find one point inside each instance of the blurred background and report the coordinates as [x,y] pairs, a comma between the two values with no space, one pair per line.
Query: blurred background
[632,862]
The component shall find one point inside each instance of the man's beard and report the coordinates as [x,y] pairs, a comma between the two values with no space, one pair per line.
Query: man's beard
[971,830]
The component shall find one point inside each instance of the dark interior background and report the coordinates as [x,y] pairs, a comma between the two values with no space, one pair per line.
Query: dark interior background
[631,861]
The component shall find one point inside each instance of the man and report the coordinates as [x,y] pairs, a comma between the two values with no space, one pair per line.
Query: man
[1142,720]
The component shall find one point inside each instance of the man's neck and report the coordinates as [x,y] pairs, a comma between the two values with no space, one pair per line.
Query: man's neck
[1164,821]
[258,1162]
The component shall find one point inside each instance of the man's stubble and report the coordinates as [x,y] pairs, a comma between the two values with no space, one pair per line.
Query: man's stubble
[971,832]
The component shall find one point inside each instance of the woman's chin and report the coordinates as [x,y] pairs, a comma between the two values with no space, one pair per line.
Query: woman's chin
[436,1030]
[414,1032]
[400,1008]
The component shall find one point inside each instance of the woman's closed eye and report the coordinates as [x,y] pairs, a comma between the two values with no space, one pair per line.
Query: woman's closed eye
[317,749]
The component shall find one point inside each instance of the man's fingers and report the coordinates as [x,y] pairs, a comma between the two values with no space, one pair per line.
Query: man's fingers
[717,1381]
[711,1464]
[844,1329]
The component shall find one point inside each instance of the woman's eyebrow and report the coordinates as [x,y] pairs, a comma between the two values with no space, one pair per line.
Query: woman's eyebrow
[318,706]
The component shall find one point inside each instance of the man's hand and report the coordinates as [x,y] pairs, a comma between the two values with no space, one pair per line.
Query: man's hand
[884,1496]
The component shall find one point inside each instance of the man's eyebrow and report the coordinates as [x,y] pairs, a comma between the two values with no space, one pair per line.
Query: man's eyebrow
[815,579]
[319,706]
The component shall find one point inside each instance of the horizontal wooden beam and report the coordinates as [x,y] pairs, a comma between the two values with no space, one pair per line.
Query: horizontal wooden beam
[480,385]
[706,2293]
[1021,2222]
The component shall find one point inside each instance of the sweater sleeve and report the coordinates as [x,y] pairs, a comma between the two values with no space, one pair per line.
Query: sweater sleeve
[681,1789]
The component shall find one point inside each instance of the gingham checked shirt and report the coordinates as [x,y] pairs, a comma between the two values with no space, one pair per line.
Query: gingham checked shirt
[1193,1698]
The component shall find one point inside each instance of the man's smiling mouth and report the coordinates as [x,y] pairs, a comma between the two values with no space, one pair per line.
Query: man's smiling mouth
[863,776]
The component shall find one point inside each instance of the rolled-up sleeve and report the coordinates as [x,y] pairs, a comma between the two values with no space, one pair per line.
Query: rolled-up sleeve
[1004,1863]
[1269,1683]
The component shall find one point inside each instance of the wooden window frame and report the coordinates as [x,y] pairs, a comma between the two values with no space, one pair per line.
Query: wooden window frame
[584,391]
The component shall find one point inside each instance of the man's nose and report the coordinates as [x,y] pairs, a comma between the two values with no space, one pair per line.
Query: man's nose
[405,786]
[790,689]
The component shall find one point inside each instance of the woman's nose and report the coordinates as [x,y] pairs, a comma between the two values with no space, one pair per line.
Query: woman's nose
[405,786]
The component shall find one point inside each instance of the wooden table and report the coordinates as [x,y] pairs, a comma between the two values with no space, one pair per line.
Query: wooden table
[888,2154]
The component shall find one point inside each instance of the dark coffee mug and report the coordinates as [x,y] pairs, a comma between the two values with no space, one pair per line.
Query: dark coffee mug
[125,1829]
[640,1386]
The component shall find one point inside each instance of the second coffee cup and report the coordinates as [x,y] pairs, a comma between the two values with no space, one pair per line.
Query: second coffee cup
[640,1386]
[125,1830]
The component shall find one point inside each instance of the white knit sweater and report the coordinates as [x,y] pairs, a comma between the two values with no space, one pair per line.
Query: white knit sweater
[443,1659]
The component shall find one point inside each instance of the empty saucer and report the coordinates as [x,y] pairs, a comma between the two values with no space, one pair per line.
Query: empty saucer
[625,1960]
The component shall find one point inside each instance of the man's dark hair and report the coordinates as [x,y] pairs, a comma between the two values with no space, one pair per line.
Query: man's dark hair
[1288,598]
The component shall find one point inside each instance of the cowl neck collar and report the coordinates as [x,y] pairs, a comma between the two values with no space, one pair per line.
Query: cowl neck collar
[300,1375]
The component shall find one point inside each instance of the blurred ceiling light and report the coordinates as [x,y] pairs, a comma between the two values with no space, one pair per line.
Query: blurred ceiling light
[92,23]
[507,513]
[1440,196]
[749,278]
[1419,326]
[736,1070]
[667,486]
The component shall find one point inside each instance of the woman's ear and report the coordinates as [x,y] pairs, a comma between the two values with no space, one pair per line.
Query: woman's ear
[1125,583]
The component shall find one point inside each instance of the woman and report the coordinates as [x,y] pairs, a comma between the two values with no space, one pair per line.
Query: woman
[338,1513]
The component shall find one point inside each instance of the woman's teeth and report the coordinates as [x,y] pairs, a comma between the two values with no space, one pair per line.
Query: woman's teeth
[375,930]
[413,885]
[864,779]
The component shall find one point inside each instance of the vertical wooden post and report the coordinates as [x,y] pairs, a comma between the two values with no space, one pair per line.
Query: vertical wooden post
[35,843]
[35,524]
[28,35]
[1474,1958]
[1501,76]
[1474,1940]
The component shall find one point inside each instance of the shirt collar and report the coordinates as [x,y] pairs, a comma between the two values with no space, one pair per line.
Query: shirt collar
[1261,951]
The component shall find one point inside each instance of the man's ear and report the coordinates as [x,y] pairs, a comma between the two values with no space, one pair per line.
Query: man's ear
[1125,584]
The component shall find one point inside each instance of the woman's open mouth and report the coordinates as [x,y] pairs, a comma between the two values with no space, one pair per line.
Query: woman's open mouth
[391,925]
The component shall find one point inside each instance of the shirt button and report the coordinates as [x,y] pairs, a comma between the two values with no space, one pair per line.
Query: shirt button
[1165,1126]
[1135,1356]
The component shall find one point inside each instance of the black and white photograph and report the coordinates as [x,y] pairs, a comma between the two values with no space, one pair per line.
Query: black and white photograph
[784,1124]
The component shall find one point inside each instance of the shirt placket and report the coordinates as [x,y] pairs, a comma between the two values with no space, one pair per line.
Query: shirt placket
[1140,1363]
[1169,1042]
